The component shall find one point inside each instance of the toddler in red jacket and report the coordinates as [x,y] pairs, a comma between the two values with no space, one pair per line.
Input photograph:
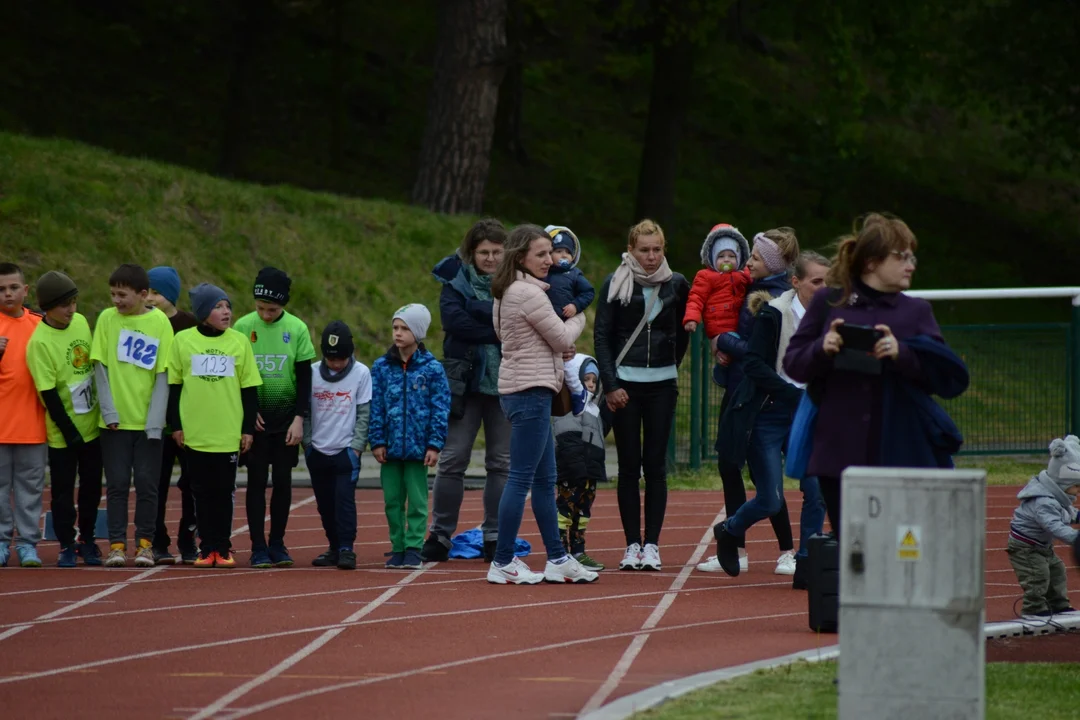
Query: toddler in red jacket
[719,289]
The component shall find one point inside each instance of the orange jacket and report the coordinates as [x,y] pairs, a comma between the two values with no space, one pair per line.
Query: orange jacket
[717,298]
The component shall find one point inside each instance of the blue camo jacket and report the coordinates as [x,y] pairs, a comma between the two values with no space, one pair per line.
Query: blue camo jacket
[410,406]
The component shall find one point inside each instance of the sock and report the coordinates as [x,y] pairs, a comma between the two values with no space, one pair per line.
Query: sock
[560,561]
[117,546]
[144,543]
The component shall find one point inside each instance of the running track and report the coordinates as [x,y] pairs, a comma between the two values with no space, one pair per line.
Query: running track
[176,642]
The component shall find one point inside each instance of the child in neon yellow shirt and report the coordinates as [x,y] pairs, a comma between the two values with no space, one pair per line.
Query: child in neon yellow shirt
[213,401]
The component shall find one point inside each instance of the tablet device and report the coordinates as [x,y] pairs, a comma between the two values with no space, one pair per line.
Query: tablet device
[859,337]
[857,353]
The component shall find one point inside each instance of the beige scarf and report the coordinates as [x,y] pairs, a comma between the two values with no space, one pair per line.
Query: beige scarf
[630,272]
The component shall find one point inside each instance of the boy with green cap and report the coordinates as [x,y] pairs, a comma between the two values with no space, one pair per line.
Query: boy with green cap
[283,353]
[58,355]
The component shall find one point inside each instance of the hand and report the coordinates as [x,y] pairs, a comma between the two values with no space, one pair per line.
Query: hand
[569,311]
[259,422]
[431,458]
[888,346]
[379,454]
[113,426]
[568,355]
[690,326]
[295,433]
[617,399]
[832,342]
[178,438]
[245,443]
[722,358]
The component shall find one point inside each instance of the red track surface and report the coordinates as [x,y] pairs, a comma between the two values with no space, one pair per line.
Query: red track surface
[171,642]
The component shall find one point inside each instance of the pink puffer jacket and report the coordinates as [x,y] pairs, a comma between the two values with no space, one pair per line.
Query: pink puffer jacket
[533,337]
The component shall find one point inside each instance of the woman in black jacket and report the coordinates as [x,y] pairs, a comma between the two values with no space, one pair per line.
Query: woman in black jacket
[639,356]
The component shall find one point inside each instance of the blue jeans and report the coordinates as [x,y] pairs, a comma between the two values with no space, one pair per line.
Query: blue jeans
[532,466]
[333,479]
[812,517]
[763,456]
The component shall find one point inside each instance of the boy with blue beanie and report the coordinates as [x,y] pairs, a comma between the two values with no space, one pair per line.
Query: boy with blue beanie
[569,290]
[164,294]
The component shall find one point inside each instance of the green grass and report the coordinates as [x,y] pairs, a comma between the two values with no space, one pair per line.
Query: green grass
[806,690]
[66,206]
[999,471]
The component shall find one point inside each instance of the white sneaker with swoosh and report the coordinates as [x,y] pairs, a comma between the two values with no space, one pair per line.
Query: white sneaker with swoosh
[515,572]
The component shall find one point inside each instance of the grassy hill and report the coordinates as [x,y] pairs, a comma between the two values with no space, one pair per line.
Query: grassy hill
[66,206]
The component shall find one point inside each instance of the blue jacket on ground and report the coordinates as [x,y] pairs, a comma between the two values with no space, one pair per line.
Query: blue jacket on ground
[466,319]
[410,406]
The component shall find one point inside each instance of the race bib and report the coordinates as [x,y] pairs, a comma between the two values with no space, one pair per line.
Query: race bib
[137,349]
[213,365]
[83,396]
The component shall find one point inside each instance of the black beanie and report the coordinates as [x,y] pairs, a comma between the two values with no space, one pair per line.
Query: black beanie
[54,288]
[337,340]
[272,285]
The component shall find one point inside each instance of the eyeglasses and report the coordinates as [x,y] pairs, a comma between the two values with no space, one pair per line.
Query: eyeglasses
[906,257]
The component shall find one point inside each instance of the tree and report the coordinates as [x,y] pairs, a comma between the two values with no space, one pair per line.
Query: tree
[470,60]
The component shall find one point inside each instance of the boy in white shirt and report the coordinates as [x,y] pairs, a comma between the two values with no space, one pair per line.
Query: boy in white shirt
[334,437]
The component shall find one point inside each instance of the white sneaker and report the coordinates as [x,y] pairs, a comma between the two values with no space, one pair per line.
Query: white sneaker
[117,558]
[712,565]
[631,560]
[785,564]
[744,563]
[570,571]
[145,557]
[650,557]
[515,572]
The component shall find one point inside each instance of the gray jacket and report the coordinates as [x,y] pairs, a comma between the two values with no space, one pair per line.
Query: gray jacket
[1045,512]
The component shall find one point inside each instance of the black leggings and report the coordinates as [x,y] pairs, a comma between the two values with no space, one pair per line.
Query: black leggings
[830,492]
[735,498]
[213,482]
[269,450]
[651,410]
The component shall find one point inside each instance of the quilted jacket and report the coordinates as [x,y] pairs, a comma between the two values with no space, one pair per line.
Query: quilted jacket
[410,405]
[533,337]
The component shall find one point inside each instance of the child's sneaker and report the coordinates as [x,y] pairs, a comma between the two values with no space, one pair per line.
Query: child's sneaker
[205,559]
[28,557]
[117,557]
[568,570]
[650,557]
[327,559]
[279,555]
[588,563]
[631,559]
[5,553]
[785,565]
[144,557]
[346,560]
[90,553]
[514,572]
[394,560]
[67,557]
[188,556]
[412,559]
[163,557]
[261,559]
[224,559]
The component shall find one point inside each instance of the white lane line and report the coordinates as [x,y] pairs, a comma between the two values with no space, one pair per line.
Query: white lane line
[630,654]
[312,647]
[277,702]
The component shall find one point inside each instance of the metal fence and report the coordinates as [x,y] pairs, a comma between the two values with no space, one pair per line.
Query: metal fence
[1023,391]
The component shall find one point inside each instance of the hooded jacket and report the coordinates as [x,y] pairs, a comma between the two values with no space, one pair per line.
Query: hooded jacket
[737,344]
[1045,512]
[568,285]
[410,405]
[579,439]
[716,296]
[467,324]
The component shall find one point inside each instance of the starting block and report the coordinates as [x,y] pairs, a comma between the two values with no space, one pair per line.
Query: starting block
[101,526]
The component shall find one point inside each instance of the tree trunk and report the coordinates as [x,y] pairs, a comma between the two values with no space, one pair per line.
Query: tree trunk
[470,59]
[673,67]
[512,90]
[249,24]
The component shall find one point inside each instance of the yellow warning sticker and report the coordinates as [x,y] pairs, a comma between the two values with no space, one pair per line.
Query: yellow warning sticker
[908,542]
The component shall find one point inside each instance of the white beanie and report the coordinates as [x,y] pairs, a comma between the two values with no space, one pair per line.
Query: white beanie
[417,317]
[727,243]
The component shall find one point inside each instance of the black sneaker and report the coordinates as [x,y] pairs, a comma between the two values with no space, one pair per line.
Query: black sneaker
[412,559]
[727,549]
[279,556]
[188,556]
[434,551]
[489,550]
[346,560]
[328,559]
[162,556]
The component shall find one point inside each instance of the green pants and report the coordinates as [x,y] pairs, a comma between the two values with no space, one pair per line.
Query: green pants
[404,486]
[1042,576]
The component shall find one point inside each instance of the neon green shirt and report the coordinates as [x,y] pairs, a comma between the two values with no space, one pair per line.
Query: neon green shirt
[134,349]
[212,371]
[278,346]
[61,359]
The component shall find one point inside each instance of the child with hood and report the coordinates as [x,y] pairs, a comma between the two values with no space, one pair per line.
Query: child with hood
[1046,511]
[570,293]
[718,291]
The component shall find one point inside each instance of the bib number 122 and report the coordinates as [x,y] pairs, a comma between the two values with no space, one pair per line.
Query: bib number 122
[137,349]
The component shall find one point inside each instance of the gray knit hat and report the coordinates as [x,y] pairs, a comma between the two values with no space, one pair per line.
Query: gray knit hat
[1064,467]
[417,317]
[204,297]
[54,288]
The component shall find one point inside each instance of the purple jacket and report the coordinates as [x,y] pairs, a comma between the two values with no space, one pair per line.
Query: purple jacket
[848,427]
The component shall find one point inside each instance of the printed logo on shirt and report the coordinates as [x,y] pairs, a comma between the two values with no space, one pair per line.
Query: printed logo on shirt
[336,402]
[286,337]
[254,337]
[78,357]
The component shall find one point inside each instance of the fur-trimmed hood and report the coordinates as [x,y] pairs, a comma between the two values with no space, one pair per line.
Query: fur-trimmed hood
[718,232]
[553,231]
[757,300]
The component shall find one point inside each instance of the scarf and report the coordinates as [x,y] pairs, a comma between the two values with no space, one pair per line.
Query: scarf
[330,376]
[630,273]
[488,384]
[770,253]
[481,284]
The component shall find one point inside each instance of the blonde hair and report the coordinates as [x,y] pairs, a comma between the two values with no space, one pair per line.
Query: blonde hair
[645,227]
[873,237]
[515,249]
[785,240]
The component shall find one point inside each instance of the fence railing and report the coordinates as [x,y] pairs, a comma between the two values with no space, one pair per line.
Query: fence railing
[1025,383]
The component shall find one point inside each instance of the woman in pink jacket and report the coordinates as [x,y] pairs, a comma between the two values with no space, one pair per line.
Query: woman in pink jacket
[533,340]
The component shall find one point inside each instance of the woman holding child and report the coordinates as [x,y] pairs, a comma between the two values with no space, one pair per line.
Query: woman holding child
[640,342]
[534,340]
